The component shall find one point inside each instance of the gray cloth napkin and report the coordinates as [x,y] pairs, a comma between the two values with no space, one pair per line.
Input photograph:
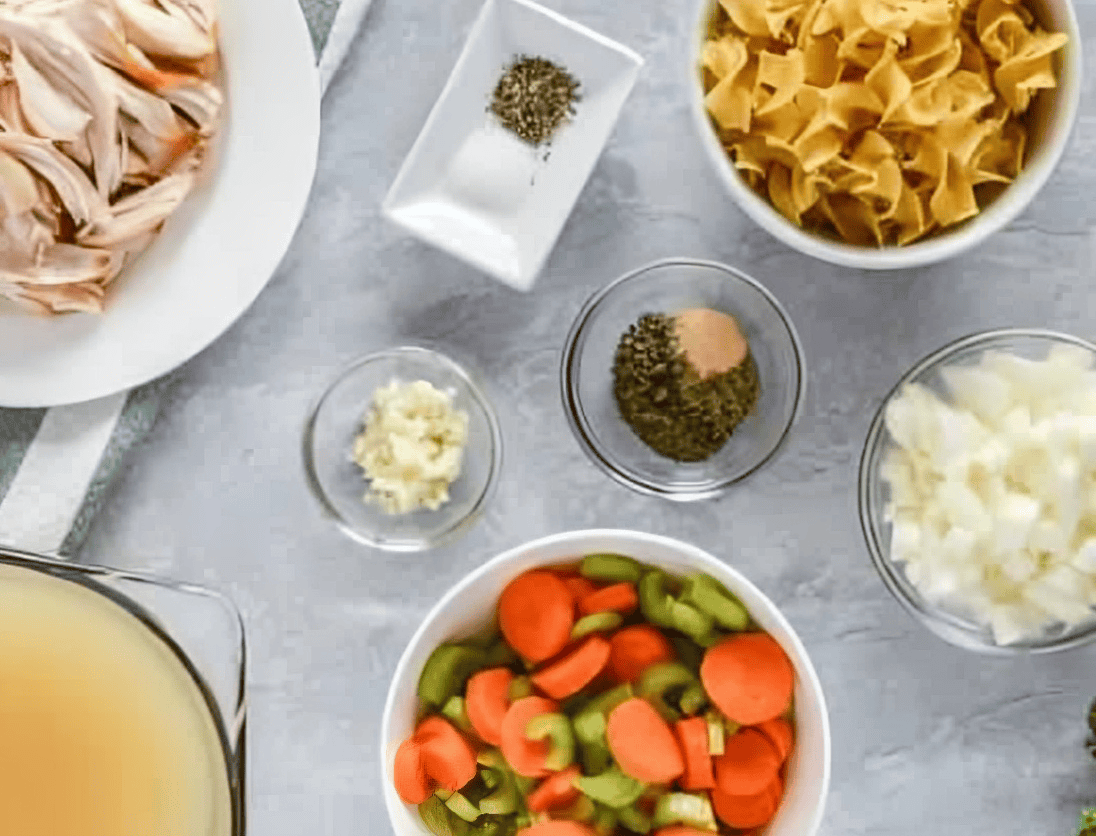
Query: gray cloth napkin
[56,465]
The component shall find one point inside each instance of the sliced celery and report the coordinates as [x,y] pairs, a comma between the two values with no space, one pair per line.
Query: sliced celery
[463,807]
[654,601]
[455,711]
[693,699]
[557,729]
[615,568]
[707,595]
[634,819]
[597,622]
[446,671]
[693,809]
[612,788]
[520,687]
[435,815]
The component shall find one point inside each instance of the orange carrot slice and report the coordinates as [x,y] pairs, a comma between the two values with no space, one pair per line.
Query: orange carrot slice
[748,677]
[525,756]
[620,597]
[748,764]
[692,736]
[780,734]
[560,827]
[575,671]
[579,587]
[555,791]
[634,649]
[746,811]
[643,743]
[536,613]
[447,756]
[409,774]
[486,700]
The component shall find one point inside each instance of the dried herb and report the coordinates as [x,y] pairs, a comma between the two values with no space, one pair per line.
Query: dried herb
[534,97]
[674,411]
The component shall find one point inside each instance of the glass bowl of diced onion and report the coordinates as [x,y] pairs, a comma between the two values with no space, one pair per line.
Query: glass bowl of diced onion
[977,491]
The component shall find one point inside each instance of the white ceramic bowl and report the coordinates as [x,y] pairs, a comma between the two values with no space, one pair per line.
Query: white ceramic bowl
[471,603]
[1055,113]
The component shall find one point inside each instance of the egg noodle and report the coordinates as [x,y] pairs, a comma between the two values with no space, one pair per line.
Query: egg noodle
[880,120]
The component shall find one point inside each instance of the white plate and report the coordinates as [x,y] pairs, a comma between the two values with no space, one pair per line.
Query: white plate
[474,189]
[216,253]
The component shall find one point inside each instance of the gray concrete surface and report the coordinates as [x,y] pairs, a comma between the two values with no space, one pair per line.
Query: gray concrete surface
[927,739]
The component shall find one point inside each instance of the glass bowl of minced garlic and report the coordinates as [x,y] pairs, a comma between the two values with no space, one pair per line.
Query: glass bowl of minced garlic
[681,378]
[403,449]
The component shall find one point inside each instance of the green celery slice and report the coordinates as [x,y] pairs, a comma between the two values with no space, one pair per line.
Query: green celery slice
[463,807]
[454,710]
[446,671]
[716,732]
[695,624]
[709,596]
[654,601]
[615,568]
[435,815]
[597,622]
[693,699]
[693,809]
[634,819]
[612,788]
[520,687]
[557,729]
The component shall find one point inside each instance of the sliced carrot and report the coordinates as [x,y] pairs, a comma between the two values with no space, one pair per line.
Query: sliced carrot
[555,791]
[536,613]
[692,736]
[681,830]
[447,756]
[579,587]
[560,827]
[525,756]
[634,649]
[620,597]
[748,764]
[409,773]
[748,677]
[575,671]
[780,734]
[486,700]
[643,743]
[746,811]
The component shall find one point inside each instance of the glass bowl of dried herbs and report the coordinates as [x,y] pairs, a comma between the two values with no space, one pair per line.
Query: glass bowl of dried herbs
[682,378]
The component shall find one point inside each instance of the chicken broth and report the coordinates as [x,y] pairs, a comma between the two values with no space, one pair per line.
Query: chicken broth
[105,732]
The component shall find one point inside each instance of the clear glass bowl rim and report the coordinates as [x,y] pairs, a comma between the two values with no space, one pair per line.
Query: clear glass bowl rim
[232,731]
[951,629]
[459,524]
[572,402]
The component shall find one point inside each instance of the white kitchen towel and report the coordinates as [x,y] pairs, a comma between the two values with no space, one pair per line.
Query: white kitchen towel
[56,464]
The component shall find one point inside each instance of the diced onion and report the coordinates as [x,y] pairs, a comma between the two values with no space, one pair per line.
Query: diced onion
[992,491]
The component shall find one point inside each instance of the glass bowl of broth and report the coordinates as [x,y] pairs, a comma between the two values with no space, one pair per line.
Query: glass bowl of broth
[122,706]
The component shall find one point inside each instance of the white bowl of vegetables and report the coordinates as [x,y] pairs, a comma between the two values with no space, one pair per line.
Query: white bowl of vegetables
[978,491]
[586,684]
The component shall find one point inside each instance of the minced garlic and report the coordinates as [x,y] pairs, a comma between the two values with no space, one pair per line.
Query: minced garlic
[411,446]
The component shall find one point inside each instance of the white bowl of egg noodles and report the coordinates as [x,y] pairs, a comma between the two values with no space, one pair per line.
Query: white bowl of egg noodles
[914,145]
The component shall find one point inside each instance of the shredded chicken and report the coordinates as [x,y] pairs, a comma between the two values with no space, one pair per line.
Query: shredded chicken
[107,108]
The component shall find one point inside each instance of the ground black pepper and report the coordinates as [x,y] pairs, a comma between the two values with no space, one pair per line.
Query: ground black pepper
[674,411]
[534,97]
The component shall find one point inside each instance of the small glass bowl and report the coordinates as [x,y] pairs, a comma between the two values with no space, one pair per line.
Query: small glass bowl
[669,286]
[339,483]
[873,494]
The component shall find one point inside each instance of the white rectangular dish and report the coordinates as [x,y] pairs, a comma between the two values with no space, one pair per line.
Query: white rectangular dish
[477,191]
